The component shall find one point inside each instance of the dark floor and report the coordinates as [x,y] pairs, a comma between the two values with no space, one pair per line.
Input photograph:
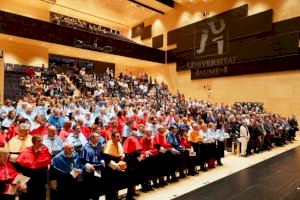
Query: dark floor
[273,179]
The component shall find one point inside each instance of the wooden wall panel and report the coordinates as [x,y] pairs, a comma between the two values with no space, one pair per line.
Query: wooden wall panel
[137,30]
[229,15]
[158,41]
[147,33]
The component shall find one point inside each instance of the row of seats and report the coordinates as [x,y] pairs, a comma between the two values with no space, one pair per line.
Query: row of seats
[17,69]
[12,81]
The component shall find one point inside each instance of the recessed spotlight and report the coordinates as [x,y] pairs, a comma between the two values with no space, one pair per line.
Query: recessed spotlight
[43,44]
[10,38]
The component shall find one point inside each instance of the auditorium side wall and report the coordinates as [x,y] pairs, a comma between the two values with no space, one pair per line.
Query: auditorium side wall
[280,91]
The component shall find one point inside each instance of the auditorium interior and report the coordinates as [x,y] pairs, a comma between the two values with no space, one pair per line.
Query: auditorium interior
[149,99]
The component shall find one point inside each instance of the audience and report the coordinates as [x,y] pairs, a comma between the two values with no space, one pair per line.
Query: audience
[121,132]
[63,20]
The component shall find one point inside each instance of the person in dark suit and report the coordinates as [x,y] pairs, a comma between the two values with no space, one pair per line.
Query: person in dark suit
[257,136]
[210,117]
[270,133]
[294,126]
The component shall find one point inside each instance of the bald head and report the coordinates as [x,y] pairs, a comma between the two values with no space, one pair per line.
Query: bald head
[68,148]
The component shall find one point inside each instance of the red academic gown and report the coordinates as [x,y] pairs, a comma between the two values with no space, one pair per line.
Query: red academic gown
[2,140]
[142,120]
[165,160]
[132,148]
[131,144]
[185,143]
[121,122]
[40,131]
[34,165]
[86,131]
[162,141]
[147,145]
[7,175]
[12,131]
[108,132]
[64,133]
[29,159]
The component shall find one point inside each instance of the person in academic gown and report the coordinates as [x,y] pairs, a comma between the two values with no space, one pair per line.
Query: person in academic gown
[33,162]
[164,157]
[149,162]
[7,175]
[19,142]
[132,149]
[42,129]
[113,175]
[2,139]
[91,156]
[195,139]
[84,128]
[177,153]
[65,174]
[188,159]
[13,128]
[66,130]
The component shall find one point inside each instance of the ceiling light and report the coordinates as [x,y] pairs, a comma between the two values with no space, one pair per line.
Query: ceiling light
[43,44]
[10,38]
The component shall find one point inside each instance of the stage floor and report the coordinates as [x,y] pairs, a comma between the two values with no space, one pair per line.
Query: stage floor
[269,175]
[275,178]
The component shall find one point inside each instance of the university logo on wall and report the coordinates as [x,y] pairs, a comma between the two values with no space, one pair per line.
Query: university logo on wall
[212,46]
[214,34]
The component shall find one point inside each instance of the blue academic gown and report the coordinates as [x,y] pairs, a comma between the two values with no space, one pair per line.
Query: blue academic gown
[92,155]
[67,186]
[174,141]
[93,185]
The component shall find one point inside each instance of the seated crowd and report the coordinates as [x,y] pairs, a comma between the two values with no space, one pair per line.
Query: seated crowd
[123,132]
